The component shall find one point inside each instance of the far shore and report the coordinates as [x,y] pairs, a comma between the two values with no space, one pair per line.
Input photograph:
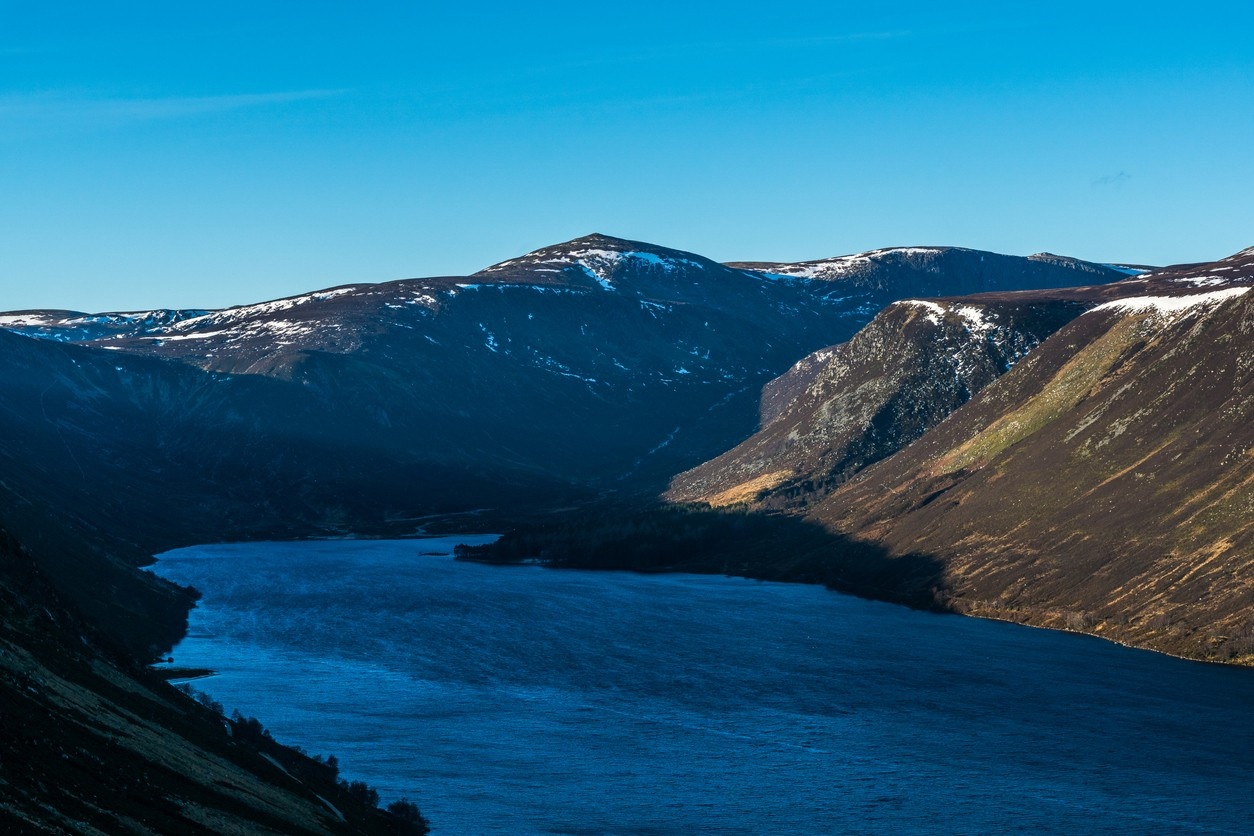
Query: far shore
[173,674]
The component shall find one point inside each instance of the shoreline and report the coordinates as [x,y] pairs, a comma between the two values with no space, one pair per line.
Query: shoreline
[173,674]
[176,675]
[866,595]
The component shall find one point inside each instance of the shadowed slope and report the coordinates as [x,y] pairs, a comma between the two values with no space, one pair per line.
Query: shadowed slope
[94,745]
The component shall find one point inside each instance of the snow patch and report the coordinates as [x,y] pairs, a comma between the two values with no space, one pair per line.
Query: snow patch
[826,269]
[1171,304]
[199,335]
[600,264]
[913,250]
[1125,269]
[934,311]
[231,315]
[26,319]
[838,266]
[1204,281]
[597,277]
[977,319]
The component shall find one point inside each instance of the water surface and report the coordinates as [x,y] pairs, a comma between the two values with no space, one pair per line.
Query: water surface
[522,700]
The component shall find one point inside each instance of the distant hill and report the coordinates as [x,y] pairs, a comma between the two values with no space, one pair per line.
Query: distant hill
[600,361]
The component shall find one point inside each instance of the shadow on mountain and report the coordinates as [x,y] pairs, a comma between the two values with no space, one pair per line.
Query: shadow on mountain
[699,539]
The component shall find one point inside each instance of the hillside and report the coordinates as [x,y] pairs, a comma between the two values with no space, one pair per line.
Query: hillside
[108,458]
[95,745]
[595,365]
[1105,484]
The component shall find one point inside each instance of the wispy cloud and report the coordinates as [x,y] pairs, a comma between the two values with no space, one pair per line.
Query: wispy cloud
[48,109]
[1112,181]
[847,37]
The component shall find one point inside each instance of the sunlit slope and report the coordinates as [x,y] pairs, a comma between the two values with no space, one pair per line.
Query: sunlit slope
[1105,484]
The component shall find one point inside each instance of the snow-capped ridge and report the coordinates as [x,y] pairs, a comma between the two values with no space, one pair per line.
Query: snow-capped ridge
[1171,304]
[977,320]
[240,312]
[934,311]
[600,258]
[1129,269]
[837,266]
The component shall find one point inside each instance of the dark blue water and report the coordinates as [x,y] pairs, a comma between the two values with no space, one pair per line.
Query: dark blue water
[522,700]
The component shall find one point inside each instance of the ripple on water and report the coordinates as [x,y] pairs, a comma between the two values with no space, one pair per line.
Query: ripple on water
[520,700]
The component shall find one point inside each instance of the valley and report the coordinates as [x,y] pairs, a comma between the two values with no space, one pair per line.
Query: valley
[1035,439]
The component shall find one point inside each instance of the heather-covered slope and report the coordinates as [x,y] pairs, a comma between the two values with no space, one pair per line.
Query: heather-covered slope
[1105,484]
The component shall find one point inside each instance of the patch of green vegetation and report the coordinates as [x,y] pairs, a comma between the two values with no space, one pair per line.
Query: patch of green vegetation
[1068,387]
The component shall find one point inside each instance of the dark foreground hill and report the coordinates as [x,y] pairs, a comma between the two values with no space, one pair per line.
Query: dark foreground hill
[93,744]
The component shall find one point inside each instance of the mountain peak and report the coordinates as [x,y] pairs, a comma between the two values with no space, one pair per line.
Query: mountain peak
[601,239]
[598,257]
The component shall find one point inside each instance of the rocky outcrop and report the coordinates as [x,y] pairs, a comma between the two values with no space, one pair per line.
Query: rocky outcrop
[850,405]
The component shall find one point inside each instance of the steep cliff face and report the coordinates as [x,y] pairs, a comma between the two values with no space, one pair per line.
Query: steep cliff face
[1105,484]
[847,406]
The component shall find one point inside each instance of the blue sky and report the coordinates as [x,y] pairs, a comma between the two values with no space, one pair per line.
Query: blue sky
[199,155]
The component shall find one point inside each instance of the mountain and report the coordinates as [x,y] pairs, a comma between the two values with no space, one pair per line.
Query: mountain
[1105,483]
[600,361]
[1101,483]
[598,364]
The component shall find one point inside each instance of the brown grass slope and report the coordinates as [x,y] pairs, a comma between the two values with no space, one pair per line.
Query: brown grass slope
[1106,484]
